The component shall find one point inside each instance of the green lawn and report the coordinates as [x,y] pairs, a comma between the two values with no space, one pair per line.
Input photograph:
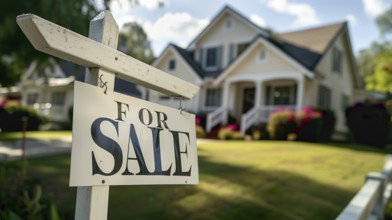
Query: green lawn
[238,180]
[42,135]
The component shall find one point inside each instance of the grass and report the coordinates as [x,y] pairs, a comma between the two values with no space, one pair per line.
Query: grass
[238,180]
[41,135]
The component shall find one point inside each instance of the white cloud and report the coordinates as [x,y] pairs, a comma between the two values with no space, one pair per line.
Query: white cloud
[373,8]
[258,20]
[179,28]
[304,14]
[150,4]
[352,19]
[126,5]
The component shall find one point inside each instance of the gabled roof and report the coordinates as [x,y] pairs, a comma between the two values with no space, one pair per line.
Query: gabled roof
[186,55]
[316,39]
[228,10]
[306,47]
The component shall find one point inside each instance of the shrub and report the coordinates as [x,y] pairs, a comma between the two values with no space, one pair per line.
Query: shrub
[12,114]
[200,133]
[309,124]
[328,120]
[259,132]
[368,123]
[230,132]
[281,124]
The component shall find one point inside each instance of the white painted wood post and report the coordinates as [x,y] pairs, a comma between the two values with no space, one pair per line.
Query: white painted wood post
[92,201]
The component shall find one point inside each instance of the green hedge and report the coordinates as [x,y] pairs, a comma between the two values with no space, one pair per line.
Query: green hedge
[12,114]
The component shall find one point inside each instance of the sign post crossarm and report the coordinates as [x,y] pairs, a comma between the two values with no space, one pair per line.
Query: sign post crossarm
[55,40]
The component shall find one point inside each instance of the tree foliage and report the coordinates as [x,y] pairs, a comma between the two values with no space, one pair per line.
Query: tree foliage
[16,52]
[375,62]
[134,42]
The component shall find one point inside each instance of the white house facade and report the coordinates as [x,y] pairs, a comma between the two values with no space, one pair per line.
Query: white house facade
[247,72]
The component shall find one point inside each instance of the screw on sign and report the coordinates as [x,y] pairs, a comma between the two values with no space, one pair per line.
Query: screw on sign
[117,139]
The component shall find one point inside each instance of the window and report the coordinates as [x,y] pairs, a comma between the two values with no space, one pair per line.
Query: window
[211,58]
[172,65]
[58,99]
[262,55]
[164,98]
[32,98]
[229,24]
[345,101]
[213,97]
[324,97]
[241,48]
[281,95]
[336,60]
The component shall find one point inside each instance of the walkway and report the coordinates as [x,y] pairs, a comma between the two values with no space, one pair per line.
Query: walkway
[10,150]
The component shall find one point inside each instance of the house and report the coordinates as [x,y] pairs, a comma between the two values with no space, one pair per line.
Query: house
[49,89]
[246,72]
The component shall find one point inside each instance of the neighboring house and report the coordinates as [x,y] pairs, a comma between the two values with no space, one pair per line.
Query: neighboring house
[50,89]
[247,72]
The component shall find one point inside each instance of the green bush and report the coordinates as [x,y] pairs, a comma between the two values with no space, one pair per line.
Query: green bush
[368,123]
[12,114]
[230,132]
[328,120]
[308,125]
[21,198]
[281,124]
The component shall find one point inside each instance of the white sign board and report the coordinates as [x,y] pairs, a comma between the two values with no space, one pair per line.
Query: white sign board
[121,140]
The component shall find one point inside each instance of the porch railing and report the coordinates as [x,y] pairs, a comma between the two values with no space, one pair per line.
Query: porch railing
[215,117]
[267,110]
[370,201]
[250,118]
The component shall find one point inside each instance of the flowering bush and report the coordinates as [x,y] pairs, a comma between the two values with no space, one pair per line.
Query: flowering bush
[280,124]
[230,132]
[200,133]
[309,124]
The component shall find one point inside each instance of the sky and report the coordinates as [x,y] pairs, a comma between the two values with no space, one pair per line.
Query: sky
[179,21]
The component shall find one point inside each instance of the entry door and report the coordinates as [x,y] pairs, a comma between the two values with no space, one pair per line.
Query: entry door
[248,100]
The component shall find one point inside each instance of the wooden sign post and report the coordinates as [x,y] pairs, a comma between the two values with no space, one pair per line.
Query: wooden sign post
[111,144]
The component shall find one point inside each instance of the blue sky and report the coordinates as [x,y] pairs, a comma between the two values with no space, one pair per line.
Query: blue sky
[179,21]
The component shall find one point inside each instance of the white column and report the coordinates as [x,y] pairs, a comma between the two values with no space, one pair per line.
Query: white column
[300,93]
[259,86]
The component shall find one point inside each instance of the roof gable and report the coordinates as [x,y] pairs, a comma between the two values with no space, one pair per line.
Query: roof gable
[316,39]
[183,56]
[227,10]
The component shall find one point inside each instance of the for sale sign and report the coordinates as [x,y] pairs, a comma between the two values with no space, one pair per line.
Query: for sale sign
[121,140]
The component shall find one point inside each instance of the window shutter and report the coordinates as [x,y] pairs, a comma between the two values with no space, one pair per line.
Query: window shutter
[219,57]
[201,56]
[231,52]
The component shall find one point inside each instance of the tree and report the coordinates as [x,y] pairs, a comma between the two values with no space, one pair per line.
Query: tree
[16,53]
[375,62]
[134,42]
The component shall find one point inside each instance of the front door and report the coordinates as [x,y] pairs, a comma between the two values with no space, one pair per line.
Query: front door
[248,100]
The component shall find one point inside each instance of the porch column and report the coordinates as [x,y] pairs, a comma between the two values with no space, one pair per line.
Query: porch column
[225,101]
[300,93]
[259,86]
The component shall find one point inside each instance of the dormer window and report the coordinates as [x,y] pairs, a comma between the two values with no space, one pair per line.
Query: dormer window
[262,55]
[336,60]
[172,65]
[229,24]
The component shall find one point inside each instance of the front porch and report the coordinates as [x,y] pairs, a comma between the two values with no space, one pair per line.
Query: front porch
[250,100]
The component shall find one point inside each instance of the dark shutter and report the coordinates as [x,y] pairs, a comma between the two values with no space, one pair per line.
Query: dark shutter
[268,95]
